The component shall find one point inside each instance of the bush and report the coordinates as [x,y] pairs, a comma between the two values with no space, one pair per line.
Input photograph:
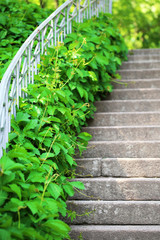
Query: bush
[17,21]
[35,173]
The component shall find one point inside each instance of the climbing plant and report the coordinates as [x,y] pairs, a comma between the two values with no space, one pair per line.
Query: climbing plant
[36,171]
[17,21]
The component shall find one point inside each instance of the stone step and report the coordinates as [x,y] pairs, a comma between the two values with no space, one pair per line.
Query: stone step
[137,57]
[90,167]
[136,83]
[130,167]
[139,74]
[135,94]
[118,167]
[116,212]
[140,65]
[125,119]
[124,133]
[111,189]
[145,51]
[110,232]
[128,105]
[123,149]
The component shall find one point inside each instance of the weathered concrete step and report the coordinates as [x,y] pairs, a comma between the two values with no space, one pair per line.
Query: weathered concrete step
[137,57]
[135,94]
[137,83]
[110,232]
[118,167]
[130,167]
[140,65]
[128,105]
[122,149]
[116,212]
[111,189]
[140,73]
[90,167]
[124,133]
[125,119]
[145,51]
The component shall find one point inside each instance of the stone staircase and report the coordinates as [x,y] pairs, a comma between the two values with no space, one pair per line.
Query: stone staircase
[121,167]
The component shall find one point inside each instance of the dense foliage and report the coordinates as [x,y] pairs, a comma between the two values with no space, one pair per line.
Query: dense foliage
[17,21]
[35,173]
[139,22]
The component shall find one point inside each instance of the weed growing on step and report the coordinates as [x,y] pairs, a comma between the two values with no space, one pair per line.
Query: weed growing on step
[35,173]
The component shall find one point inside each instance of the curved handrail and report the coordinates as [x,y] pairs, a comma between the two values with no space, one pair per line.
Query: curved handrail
[23,67]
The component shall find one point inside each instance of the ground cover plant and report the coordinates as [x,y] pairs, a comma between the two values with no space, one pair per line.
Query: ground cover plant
[46,135]
[17,21]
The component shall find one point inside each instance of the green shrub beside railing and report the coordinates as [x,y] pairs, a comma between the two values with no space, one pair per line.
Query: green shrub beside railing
[17,21]
[35,173]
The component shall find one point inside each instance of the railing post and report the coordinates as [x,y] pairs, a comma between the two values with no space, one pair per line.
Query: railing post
[110,6]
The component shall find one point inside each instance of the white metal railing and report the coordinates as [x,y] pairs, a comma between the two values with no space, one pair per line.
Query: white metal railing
[23,67]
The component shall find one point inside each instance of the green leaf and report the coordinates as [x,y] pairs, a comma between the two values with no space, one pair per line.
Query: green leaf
[57,226]
[16,189]
[35,176]
[22,117]
[78,185]
[69,159]
[54,190]
[4,32]
[6,164]
[47,155]
[31,233]
[12,135]
[33,206]
[54,119]
[56,149]
[93,76]
[18,152]
[85,136]
[80,73]
[15,30]
[101,59]
[68,189]
[81,91]
[13,205]
[31,125]
[3,197]
[4,235]
[5,221]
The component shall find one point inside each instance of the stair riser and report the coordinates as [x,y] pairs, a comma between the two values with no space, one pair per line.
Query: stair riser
[118,212]
[132,84]
[140,65]
[130,167]
[119,189]
[144,51]
[123,150]
[139,74]
[121,134]
[118,167]
[135,94]
[136,58]
[125,119]
[127,106]
[115,233]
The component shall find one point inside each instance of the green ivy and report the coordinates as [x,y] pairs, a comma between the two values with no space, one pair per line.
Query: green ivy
[17,21]
[46,135]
